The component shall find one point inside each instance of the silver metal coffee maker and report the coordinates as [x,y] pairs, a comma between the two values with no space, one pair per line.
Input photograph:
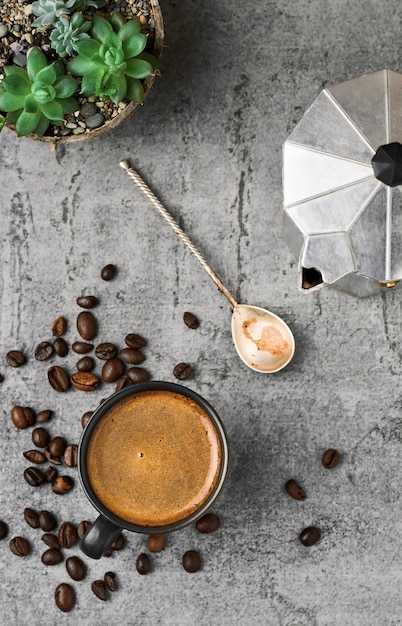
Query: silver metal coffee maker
[342,186]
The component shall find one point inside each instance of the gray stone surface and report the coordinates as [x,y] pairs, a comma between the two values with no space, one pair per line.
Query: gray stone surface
[236,78]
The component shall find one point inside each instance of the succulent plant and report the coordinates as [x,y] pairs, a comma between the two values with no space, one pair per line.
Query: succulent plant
[48,11]
[113,62]
[67,32]
[83,5]
[40,95]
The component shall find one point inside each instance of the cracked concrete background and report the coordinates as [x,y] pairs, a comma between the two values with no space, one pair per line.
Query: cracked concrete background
[237,77]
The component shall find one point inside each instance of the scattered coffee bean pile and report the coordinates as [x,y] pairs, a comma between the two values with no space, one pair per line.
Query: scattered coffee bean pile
[311,535]
[123,367]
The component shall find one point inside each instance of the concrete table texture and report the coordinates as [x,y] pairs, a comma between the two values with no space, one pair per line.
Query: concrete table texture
[237,77]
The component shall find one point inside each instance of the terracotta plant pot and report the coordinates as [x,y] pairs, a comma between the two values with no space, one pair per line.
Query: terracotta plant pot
[109,125]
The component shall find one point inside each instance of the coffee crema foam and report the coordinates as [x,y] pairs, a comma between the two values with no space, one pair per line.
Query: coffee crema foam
[154,458]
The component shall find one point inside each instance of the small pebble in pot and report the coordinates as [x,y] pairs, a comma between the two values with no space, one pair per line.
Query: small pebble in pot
[108,272]
[94,121]
[330,458]
[191,561]
[309,536]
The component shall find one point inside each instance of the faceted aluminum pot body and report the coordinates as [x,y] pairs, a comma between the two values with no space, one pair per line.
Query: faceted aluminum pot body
[342,176]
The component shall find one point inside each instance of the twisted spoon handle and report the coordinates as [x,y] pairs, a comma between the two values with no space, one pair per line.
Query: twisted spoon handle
[136,178]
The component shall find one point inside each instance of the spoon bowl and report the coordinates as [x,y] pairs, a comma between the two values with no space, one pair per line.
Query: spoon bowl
[263,341]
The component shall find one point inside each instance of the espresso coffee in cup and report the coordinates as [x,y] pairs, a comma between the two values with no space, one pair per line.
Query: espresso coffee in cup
[152,459]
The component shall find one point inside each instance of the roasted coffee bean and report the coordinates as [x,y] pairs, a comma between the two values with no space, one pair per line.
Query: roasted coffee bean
[85,418]
[131,356]
[122,383]
[34,476]
[190,320]
[294,490]
[80,347]
[60,347]
[50,474]
[71,455]
[67,535]
[134,341]
[59,326]
[51,540]
[83,528]
[138,374]
[118,543]
[54,460]
[15,358]
[86,325]
[31,517]
[208,523]
[85,381]
[1,378]
[309,536]
[47,521]
[99,589]
[22,417]
[64,597]
[58,378]
[76,568]
[106,351]
[330,458]
[143,564]
[3,530]
[87,302]
[57,445]
[43,416]
[43,351]
[182,371]
[40,437]
[191,561]
[108,272]
[112,370]
[19,546]
[86,364]
[108,553]
[156,543]
[34,456]
[110,581]
[62,485]
[52,556]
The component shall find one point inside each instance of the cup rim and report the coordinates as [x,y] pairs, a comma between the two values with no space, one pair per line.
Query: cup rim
[99,413]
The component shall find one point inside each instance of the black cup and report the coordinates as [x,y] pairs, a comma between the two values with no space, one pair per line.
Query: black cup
[108,526]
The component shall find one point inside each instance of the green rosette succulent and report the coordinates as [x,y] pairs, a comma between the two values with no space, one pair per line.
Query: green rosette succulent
[67,32]
[112,62]
[49,11]
[38,96]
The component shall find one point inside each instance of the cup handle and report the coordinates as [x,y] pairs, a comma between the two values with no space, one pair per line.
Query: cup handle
[99,537]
